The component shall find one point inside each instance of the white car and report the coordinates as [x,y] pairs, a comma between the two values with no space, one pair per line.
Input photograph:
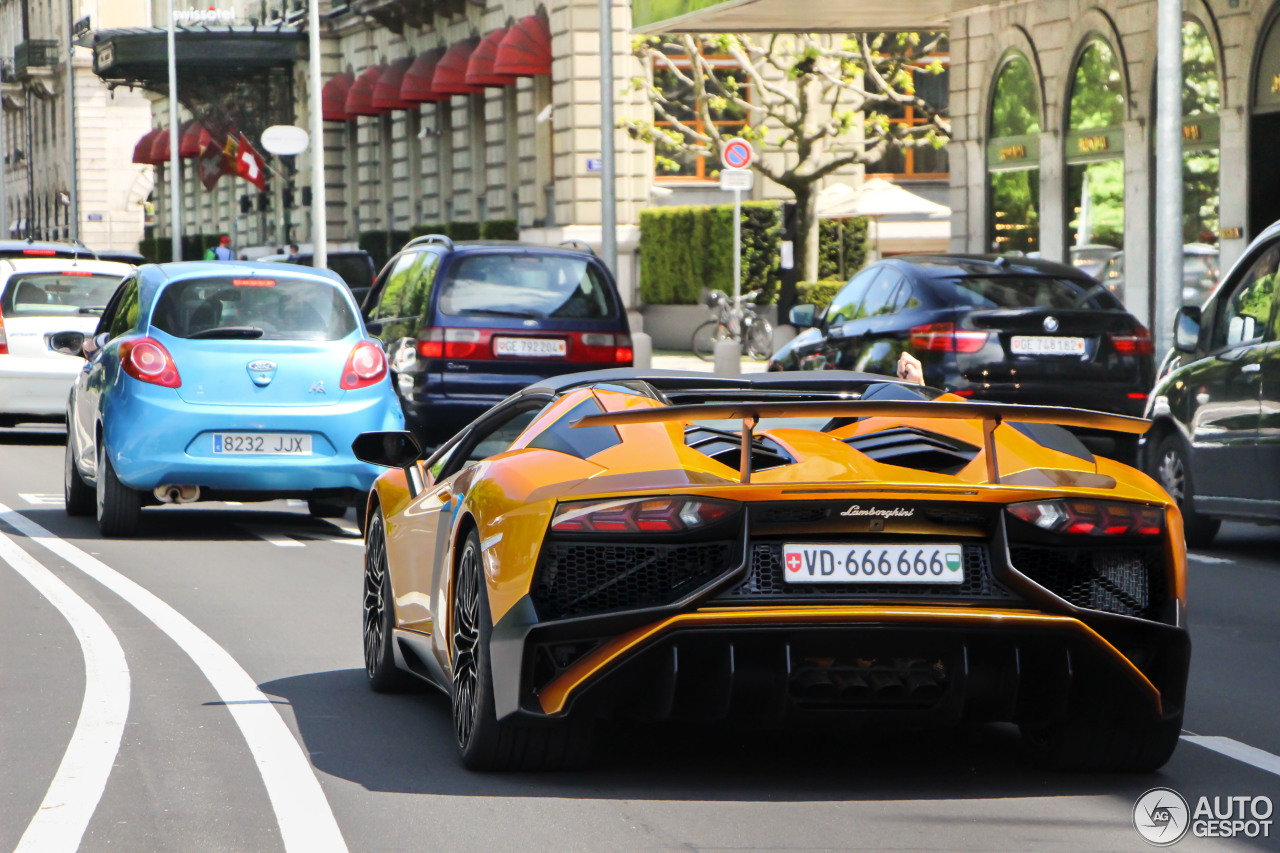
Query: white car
[39,297]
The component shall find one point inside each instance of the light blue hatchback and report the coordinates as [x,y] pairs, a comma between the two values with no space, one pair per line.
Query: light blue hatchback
[223,381]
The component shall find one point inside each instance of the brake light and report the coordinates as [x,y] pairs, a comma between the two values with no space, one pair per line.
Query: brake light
[45,253]
[365,366]
[4,341]
[1138,343]
[454,343]
[601,348]
[76,272]
[253,282]
[146,360]
[945,337]
[1091,518]
[639,515]
[963,392]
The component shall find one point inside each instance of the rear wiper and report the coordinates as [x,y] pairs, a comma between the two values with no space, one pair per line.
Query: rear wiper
[96,310]
[498,312]
[245,332]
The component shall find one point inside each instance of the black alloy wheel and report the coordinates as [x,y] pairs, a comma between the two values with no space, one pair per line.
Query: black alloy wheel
[1173,472]
[464,642]
[78,496]
[379,615]
[119,507]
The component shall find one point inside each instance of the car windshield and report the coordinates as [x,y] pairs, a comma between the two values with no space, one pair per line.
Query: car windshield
[1025,292]
[57,294]
[532,285]
[277,309]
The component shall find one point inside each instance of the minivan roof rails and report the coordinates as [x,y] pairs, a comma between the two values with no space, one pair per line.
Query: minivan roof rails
[427,239]
[579,245]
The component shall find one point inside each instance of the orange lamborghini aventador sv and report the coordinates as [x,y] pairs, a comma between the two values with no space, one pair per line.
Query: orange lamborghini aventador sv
[759,549]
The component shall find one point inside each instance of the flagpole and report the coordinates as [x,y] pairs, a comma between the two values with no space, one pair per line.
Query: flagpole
[175,186]
[319,207]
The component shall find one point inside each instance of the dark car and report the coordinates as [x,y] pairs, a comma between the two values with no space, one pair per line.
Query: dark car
[1215,441]
[467,324]
[43,249]
[355,267]
[1012,330]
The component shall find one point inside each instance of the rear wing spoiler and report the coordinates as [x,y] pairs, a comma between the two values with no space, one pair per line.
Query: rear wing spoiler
[991,415]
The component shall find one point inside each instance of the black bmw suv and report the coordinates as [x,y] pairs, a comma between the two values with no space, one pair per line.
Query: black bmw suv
[1012,330]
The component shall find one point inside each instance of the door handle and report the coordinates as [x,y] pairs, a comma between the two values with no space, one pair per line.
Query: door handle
[1252,367]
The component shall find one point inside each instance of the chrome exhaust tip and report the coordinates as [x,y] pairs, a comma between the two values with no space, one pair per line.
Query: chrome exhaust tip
[171,493]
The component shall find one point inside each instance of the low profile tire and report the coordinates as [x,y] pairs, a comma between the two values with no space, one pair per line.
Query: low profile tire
[1173,472]
[77,496]
[705,338]
[325,509]
[483,742]
[119,507]
[379,614]
[1098,745]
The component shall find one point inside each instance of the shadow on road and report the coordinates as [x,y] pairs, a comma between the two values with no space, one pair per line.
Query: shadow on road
[403,743]
[47,437]
[196,524]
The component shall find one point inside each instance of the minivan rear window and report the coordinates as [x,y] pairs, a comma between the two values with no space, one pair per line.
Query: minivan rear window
[57,294]
[1025,292]
[269,308]
[535,286]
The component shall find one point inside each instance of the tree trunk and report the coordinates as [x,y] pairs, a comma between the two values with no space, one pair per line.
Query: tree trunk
[806,246]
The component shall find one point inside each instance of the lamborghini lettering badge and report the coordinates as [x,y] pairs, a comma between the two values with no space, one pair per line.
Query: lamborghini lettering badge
[856,511]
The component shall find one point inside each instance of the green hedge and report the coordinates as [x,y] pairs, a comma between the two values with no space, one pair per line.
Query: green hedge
[686,248]
[818,293]
[500,229]
[382,245]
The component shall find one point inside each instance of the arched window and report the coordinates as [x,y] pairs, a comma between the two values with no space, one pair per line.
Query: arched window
[1095,154]
[1013,159]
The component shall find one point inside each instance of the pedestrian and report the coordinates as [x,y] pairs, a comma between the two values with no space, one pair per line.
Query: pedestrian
[223,250]
[293,255]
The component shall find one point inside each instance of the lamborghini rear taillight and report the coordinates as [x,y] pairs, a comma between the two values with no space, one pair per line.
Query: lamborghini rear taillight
[945,337]
[1081,517]
[365,366]
[639,515]
[146,360]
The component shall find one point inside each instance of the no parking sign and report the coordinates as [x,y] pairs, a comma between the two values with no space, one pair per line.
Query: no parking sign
[737,154]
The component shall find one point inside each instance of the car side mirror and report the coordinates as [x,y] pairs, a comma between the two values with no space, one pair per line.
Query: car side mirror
[68,343]
[801,316]
[386,449]
[1186,328]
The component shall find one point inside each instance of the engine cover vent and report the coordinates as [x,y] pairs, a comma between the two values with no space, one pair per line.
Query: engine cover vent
[914,448]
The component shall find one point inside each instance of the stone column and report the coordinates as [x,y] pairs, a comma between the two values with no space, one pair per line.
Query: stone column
[1233,178]
[1053,226]
[1139,229]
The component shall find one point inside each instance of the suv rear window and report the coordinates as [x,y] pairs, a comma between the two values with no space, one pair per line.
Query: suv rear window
[52,294]
[1025,292]
[538,286]
[272,309]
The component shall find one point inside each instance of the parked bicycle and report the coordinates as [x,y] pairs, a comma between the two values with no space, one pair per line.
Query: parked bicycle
[741,323]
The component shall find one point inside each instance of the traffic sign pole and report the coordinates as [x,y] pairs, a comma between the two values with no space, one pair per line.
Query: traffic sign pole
[737,155]
[737,248]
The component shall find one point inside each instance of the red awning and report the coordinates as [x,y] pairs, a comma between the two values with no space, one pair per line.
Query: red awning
[451,71]
[333,97]
[416,86]
[360,98]
[386,92]
[142,151]
[194,139]
[525,51]
[480,68]
[160,147]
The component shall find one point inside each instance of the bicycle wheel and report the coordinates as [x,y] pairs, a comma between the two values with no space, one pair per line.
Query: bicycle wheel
[759,343]
[705,338]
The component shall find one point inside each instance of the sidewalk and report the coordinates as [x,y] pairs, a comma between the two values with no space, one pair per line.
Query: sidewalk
[674,360]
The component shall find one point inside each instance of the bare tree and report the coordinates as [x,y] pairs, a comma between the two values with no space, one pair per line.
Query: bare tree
[822,102]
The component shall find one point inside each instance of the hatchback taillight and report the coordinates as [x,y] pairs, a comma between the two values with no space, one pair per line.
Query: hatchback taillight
[1137,343]
[1091,518]
[945,337]
[146,360]
[365,366]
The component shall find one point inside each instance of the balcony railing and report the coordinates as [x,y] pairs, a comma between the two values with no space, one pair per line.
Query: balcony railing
[36,53]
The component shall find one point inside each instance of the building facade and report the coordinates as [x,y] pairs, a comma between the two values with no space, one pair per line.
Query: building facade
[38,145]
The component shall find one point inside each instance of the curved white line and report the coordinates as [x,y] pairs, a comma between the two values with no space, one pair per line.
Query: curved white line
[306,821]
[82,775]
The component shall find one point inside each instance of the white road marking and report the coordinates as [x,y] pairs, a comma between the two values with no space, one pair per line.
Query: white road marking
[41,500]
[82,775]
[306,821]
[1250,755]
[1205,558]
[359,543]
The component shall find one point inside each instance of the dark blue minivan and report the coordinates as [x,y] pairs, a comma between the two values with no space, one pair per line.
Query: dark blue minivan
[467,324]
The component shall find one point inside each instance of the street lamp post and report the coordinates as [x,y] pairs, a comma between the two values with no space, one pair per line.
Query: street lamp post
[608,181]
[1167,283]
[175,186]
[319,212]
[73,184]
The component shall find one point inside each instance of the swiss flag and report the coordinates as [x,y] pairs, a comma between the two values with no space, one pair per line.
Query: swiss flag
[212,164]
[248,163]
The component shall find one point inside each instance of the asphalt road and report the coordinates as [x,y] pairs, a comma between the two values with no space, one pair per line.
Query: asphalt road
[200,688]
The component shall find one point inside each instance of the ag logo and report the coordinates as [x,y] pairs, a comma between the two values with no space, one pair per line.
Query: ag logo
[1161,817]
[1051,324]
